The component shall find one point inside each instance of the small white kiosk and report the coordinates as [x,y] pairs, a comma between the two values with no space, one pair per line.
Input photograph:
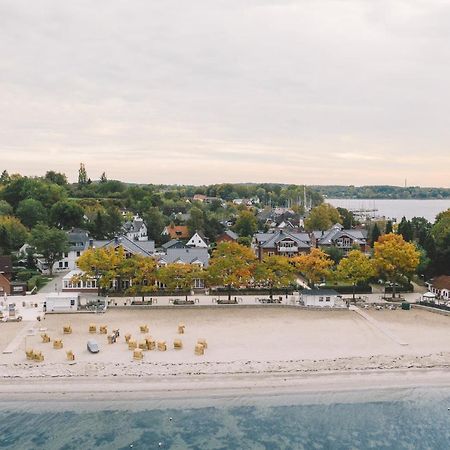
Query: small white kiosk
[60,302]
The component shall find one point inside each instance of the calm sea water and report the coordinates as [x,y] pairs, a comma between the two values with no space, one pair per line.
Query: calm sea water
[396,208]
[409,419]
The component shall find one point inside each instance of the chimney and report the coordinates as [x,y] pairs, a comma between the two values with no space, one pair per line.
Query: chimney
[116,239]
[91,243]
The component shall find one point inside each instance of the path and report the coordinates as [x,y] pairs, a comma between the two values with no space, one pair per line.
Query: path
[378,325]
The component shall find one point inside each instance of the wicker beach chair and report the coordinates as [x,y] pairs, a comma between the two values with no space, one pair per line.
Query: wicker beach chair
[162,346]
[177,344]
[57,344]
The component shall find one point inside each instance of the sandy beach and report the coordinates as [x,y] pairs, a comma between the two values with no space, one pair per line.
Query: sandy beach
[255,349]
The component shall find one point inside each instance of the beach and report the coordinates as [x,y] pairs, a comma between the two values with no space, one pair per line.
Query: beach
[248,348]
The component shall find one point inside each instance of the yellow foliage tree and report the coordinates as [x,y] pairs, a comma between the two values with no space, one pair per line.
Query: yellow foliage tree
[395,259]
[275,271]
[355,268]
[314,266]
[103,264]
[179,276]
[141,271]
[231,265]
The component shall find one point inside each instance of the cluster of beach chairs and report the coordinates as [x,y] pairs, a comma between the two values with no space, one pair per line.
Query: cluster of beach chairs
[148,343]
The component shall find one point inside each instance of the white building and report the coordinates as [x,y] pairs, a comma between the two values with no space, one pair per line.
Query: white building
[74,281]
[135,229]
[62,302]
[198,240]
[321,298]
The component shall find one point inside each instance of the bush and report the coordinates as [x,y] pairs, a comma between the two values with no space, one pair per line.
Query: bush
[25,275]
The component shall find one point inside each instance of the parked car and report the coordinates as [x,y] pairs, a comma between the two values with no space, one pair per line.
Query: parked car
[93,347]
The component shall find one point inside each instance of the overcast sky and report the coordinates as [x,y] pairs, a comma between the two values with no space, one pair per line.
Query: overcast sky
[315,92]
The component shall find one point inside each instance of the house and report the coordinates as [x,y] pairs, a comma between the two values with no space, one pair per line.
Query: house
[227,236]
[176,231]
[7,286]
[74,281]
[193,255]
[198,240]
[282,243]
[144,248]
[199,198]
[321,298]
[337,237]
[135,229]
[78,242]
[59,302]
[440,286]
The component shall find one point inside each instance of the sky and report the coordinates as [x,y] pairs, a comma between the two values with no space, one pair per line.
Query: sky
[211,91]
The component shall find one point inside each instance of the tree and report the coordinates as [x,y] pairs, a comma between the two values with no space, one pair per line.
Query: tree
[5,208]
[56,177]
[50,242]
[13,234]
[322,217]
[389,228]
[276,272]
[441,235]
[4,177]
[82,176]
[347,218]
[104,264]
[178,276]
[155,222]
[141,270]
[355,268]
[103,178]
[246,224]
[395,259]
[31,211]
[231,265]
[197,220]
[66,214]
[335,253]
[405,229]
[314,266]
[374,234]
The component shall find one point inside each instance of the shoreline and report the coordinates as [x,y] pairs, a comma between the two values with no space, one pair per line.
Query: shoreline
[221,389]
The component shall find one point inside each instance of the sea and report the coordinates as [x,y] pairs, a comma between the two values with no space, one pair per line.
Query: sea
[383,419]
[395,208]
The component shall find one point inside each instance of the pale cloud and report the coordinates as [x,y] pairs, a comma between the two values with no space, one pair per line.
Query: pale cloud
[337,91]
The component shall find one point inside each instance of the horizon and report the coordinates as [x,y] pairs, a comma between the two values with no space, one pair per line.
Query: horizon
[316,93]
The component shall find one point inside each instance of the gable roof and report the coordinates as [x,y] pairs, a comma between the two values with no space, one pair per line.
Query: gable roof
[441,282]
[144,248]
[186,255]
[177,231]
[173,243]
[336,232]
[133,226]
[270,240]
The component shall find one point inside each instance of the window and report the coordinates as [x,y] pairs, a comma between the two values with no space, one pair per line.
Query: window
[60,264]
[320,299]
[66,264]
[328,299]
[78,253]
[72,302]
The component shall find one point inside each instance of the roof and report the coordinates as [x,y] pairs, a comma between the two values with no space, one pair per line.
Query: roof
[5,264]
[270,240]
[441,282]
[328,292]
[231,234]
[336,232]
[173,243]
[144,248]
[133,226]
[186,255]
[78,239]
[177,231]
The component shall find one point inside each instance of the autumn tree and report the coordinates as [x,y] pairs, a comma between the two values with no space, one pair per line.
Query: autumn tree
[314,266]
[141,271]
[355,268]
[178,276]
[51,243]
[231,265]
[13,234]
[395,259]
[322,217]
[104,265]
[276,272]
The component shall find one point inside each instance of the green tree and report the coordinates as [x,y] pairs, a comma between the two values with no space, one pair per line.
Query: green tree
[395,259]
[56,178]
[355,268]
[51,243]
[5,208]
[405,229]
[82,176]
[103,178]
[246,224]
[374,234]
[4,177]
[13,234]
[276,272]
[196,221]
[389,228]
[31,211]
[335,253]
[155,222]
[441,235]
[347,218]
[322,217]
[66,214]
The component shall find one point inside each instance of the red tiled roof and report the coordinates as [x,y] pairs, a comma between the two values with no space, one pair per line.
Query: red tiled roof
[442,282]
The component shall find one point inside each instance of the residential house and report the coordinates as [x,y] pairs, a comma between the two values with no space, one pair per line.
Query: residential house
[227,236]
[345,240]
[281,242]
[173,243]
[176,231]
[7,286]
[321,298]
[440,286]
[198,240]
[135,229]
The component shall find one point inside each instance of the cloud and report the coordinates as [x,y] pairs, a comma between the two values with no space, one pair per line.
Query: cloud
[293,91]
